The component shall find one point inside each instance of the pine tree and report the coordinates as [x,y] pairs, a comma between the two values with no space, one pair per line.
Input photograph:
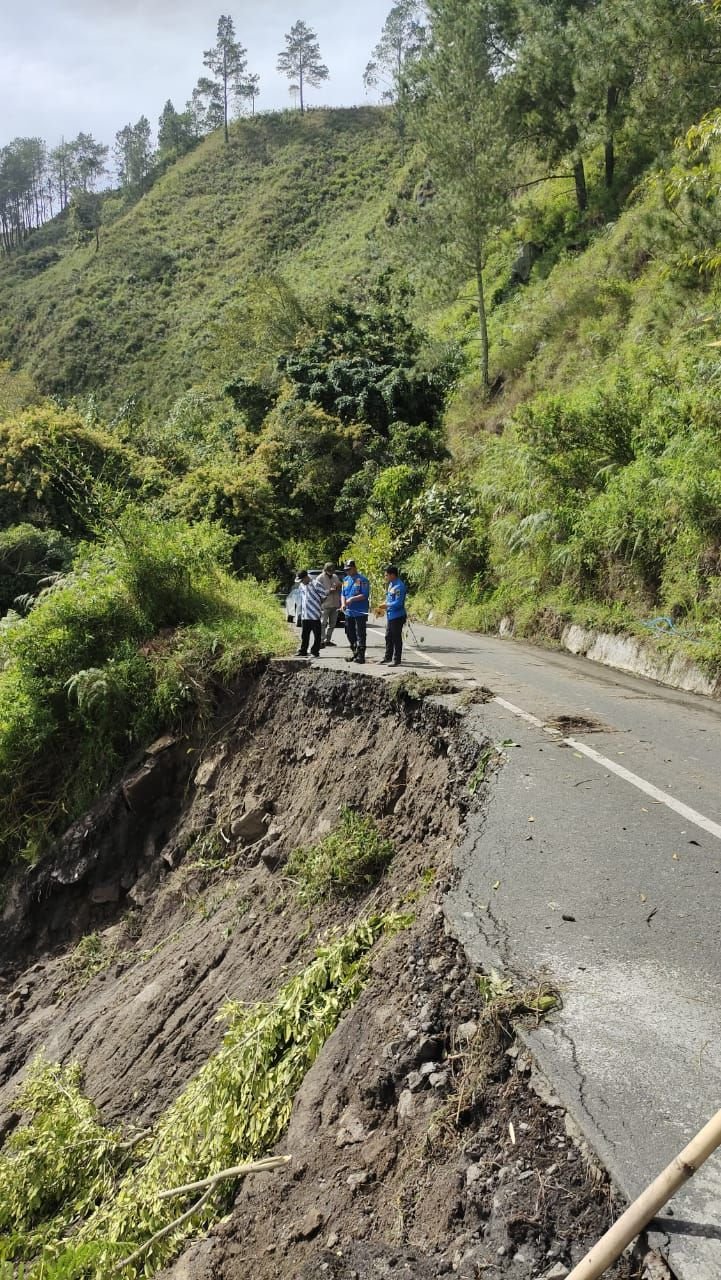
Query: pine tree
[468,148]
[300,60]
[402,41]
[248,90]
[86,211]
[227,60]
[544,82]
[89,159]
[134,153]
[175,131]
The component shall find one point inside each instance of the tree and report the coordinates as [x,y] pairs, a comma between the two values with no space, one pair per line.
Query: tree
[205,107]
[89,159]
[248,90]
[134,153]
[402,41]
[86,210]
[300,60]
[175,131]
[23,189]
[543,80]
[463,127]
[227,61]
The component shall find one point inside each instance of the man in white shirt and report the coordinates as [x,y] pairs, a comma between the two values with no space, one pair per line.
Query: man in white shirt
[312,595]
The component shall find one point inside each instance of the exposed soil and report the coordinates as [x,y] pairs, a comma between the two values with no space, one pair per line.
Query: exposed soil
[418,1145]
[577,724]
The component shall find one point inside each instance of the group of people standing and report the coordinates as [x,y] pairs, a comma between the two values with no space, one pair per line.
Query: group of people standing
[324,596]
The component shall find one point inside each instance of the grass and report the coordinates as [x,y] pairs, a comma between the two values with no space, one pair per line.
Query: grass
[301,195]
[348,861]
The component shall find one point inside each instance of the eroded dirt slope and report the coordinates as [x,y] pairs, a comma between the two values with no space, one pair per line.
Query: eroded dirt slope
[418,1146]
[179,874]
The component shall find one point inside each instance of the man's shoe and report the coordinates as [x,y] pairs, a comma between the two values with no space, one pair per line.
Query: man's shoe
[396,663]
[360,661]
[350,657]
[315,653]
[383,662]
[301,653]
[331,644]
[323,644]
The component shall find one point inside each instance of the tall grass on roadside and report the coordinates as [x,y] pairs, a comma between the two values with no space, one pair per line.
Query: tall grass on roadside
[128,643]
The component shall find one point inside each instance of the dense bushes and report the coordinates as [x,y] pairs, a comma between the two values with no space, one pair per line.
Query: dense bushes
[55,469]
[125,644]
[29,557]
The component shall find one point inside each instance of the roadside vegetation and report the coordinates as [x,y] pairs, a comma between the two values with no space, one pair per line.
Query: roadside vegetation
[349,860]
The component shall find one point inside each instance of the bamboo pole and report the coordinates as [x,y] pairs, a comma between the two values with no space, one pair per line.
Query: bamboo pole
[639,1214]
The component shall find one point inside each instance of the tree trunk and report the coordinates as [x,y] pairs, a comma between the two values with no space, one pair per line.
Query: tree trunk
[482,321]
[579,174]
[300,86]
[612,96]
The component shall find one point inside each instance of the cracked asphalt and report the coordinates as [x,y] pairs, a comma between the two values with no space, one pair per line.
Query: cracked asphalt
[577,875]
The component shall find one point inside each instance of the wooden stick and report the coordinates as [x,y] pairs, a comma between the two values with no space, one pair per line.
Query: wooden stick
[165,1231]
[639,1214]
[257,1166]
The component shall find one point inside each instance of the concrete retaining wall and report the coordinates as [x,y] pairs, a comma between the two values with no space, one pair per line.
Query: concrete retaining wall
[633,654]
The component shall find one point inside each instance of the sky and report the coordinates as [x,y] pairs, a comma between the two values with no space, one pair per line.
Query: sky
[97,65]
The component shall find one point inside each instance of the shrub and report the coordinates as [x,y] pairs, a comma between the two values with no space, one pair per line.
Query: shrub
[54,470]
[131,641]
[348,861]
[27,557]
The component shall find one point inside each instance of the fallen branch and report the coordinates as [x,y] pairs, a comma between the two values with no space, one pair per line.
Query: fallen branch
[639,1214]
[257,1166]
[160,1235]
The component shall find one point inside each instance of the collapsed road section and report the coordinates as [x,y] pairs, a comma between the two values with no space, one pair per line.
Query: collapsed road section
[287,870]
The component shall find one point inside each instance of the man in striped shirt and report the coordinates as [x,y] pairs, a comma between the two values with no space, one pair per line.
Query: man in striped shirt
[312,595]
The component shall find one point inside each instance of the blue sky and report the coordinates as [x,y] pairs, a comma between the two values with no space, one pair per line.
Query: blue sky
[96,65]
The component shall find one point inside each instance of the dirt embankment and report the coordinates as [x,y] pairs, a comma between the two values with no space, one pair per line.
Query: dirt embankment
[418,1147]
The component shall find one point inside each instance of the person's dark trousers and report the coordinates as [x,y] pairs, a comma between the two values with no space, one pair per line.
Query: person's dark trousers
[394,639]
[355,629]
[311,627]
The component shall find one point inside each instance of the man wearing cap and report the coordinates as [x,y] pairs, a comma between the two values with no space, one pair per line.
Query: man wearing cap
[312,595]
[331,605]
[355,602]
[395,611]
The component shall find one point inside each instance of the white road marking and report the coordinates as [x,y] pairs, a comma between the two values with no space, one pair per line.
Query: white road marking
[525,715]
[662,797]
[409,648]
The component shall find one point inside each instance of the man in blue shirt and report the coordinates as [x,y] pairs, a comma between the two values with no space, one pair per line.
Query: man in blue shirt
[395,611]
[355,602]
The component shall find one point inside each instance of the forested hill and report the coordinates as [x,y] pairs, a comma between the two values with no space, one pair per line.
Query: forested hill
[146,313]
[476,333]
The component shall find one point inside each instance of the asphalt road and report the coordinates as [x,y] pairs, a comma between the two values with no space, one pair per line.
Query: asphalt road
[597,865]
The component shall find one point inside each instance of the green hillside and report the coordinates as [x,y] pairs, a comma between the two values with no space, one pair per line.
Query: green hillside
[297,195]
[273,357]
